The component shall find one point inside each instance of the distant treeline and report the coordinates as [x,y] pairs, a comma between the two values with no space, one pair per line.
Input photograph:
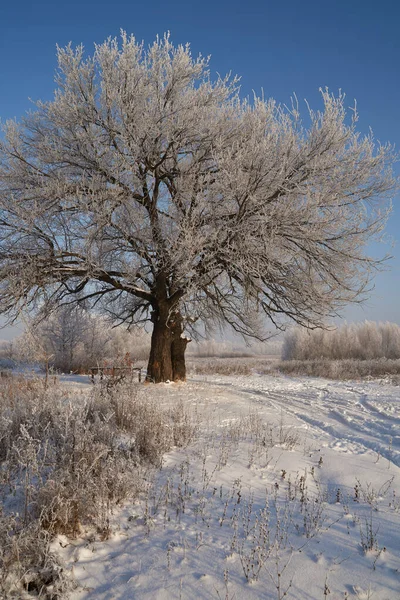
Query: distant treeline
[361,341]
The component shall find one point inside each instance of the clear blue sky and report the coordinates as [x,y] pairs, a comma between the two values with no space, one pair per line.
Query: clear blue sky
[280,47]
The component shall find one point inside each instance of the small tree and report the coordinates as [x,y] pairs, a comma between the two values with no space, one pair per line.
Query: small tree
[149,191]
[31,346]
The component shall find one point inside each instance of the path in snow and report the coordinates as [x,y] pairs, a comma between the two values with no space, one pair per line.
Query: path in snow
[366,415]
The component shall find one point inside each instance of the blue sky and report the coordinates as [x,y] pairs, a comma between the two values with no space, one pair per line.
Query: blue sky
[280,47]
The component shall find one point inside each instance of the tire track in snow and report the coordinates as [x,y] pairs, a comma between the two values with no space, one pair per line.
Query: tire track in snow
[345,413]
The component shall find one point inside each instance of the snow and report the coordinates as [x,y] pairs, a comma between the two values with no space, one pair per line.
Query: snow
[292,486]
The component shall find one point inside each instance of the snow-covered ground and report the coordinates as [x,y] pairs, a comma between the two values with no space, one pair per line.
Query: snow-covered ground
[290,490]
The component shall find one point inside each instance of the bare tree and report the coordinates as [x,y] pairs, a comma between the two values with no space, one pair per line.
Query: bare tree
[7,350]
[63,333]
[149,191]
[74,339]
[32,347]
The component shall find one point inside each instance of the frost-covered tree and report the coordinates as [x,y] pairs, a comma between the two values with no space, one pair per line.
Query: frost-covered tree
[74,339]
[148,190]
[31,347]
[63,334]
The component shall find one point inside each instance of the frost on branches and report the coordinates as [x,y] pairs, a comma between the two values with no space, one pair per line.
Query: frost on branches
[148,191]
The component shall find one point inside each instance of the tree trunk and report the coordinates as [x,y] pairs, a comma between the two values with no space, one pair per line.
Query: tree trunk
[160,363]
[178,348]
[167,353]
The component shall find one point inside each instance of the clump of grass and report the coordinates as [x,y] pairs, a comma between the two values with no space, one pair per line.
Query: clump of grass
[27,563]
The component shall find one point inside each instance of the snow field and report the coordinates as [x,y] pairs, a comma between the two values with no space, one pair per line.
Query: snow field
[291,490]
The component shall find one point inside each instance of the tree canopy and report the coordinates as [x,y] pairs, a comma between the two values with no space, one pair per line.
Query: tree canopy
[149,191]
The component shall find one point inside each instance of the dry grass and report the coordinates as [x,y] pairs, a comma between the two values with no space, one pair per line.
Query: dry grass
[381,368]
[343,369]
[65,461]
[232,366]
